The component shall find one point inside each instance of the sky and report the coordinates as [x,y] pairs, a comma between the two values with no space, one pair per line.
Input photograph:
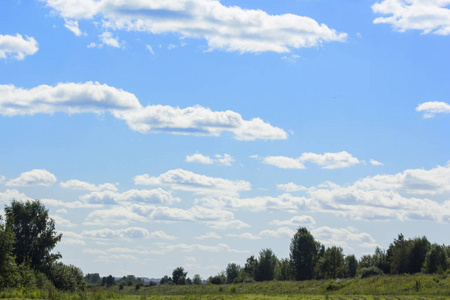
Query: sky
[196,133]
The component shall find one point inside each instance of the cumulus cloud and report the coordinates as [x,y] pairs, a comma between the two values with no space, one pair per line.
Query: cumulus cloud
[220,159]
[429,16]
[432,108]
[17,47]
[60,221]
[108,39]
[12,194]
[183,180]
[71,238]
[155,196]
[72,25]
[342,236]
[229,28]
[291,187]
[75,184]
[209,235]
[106,233]
[297,221]
[245,236]
[198,247]
[376,163]
[36,177]
[280,232]
[162,235]
[326,161]
[93,97]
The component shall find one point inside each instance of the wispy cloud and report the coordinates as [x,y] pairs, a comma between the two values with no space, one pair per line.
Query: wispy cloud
[17,47]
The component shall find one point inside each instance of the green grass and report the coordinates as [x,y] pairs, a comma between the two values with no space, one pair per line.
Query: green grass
[404,287]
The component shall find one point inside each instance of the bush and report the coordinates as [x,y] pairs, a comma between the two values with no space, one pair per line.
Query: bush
[371,271]
[121,287]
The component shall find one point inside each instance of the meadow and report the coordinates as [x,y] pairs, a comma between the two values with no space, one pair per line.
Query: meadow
[401,287]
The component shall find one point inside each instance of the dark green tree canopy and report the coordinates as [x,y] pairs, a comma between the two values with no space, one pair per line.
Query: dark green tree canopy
[304,252]
[177,274]
[35,235]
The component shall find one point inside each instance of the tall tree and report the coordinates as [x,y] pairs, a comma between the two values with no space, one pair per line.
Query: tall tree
[232,272]
[35,235]
[8,268]
[436,259]
[333,263]
[398,254]
[266,265]
[419,250]
[177,274]
[351,264]
[303,255]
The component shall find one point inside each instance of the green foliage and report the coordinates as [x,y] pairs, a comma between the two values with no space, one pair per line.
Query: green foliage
[93,278]
[218,279]
[283,270]
[304,254]
[266,265]
[67,277]
[436,260]
[332,263]
[232,271]
[370,271]
[351,265]
[8,268]
[197,279]
[166,280]
[178,273]
[35,235]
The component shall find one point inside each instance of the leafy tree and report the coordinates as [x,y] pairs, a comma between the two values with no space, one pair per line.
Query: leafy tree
[177,274]
[366,261]
[266,265]
[35,235]
[93,278]
[232,272]
[380,260]
[250,267]
[67,278]
[220,278]
[436,260]
[304,254]
[418,252]
[398,254]
[197,279]
[110,281]
[332,263]
[351,264]
[283,270]
[371,271]
[166,280]
[8,268]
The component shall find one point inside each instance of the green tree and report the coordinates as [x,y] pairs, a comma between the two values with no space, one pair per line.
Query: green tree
[166,280]
[232,272]
[418,252]
[67,277]
[380,260]
[436,260]
[304,253]
[250,266]
[333,263]
[197,279]
[266,265]
[351,264]
[177,274]
[283,270]
[8,269]
[398,255]
[110,281]
[35,235]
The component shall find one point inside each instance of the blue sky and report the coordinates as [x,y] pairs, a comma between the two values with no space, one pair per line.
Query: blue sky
[195,133]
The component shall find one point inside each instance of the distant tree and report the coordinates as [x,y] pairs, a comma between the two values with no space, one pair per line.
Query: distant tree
[103,281]
[67,277]
[250,267]
[332,263]
[197,279]
[232,271]
[418,252]
[267,262]
[93,278]
[166,280]
[380,260]
[182,280]
[304,254]
[398,255]
[371,271]
[177,274]
[351,265]
[436,260]
[8,268]
[34,232]
[283,270]
[110,281]
[220,278]
[366,261]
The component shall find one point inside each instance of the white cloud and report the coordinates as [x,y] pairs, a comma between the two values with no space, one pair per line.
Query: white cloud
[183,180]
[162,235]
[280,232]
[39,177]
[342,236]
[106,233]
[291,187]
[432,108]
[93,97]
[327,160]
[115,258]
[199,158]
[220,159]
[71,238]
[229,28]
[60,221]
[376,163]
[12,194]
[72,25]
[245,236]
[198,247]
[108,39]
[150,49]
[284,162]
[297,221]
[209,235]
[17,47]
[115,216]
[429,16]
[155,196]
[75,184]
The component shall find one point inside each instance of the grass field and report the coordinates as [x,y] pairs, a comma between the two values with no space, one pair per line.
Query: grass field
[402,287]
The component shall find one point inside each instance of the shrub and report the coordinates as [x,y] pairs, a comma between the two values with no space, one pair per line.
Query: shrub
[370,271]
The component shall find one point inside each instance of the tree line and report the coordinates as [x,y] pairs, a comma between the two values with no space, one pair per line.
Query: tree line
[28,236]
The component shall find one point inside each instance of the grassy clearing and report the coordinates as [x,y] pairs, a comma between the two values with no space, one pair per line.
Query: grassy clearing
[416,287]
